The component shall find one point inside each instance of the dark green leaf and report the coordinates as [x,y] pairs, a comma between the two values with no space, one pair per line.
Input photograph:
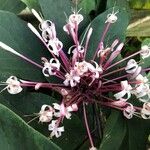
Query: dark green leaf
[100,6]
[114,132]
[16,34]
[14,6]
[87,6]
[116,31]
[138,131]
[16,134]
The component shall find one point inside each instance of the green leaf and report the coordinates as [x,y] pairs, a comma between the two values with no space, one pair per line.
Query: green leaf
[87,5]
[116,31]
[114,132]
[14,6]
[15,33]
[100,6]
[138,131]
[32,4]
[16,134]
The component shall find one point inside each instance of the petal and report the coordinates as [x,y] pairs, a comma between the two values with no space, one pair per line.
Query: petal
[61,129]
[56,106]
[120,95]
[44,70]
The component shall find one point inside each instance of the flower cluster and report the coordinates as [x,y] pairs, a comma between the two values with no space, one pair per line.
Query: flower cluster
[83,81]
[47,113]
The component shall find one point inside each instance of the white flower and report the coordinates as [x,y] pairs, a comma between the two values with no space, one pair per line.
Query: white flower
[79,49]
[75,18]
[55,46]
[128,112]
[73,107]
[72,79]
[69,28]
[46,113]
[95,70]
[145,112]
[48,30]
[93,148]
[142,92]
[50,67]
[126,91]
[81,67]
[56,131]
[46,26]
[112,18]
[145,51]
[64,111]
[13,85]
[131,66]
[141,79]
[102,52]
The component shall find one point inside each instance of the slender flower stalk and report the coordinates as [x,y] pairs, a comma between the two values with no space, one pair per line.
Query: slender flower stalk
[87,126]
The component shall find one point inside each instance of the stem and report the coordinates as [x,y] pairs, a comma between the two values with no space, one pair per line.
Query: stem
[98,121]
[87,127]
